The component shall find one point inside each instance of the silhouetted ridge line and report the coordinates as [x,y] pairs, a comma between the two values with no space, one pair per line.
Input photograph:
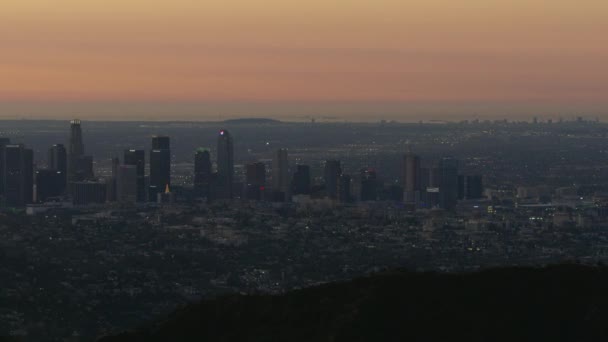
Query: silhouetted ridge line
[252,121]
[557,303]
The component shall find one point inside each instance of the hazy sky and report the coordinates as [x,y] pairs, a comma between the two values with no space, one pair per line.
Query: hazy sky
[324,57]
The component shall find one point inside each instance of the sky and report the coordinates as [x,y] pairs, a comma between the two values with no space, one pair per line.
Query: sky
[347,59]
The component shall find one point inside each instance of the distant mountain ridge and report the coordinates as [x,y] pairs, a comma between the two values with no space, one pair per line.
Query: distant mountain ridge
[252,121]
[557,303]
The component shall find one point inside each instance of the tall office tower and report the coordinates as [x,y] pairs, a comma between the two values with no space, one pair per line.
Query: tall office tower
[369,185]
[425,174]
[49,183]
[255,181]
[432,190]
[58,161]
[161,142]
[88,193]
[28,167]
[301,180]
[225,164]
[137,158]
[111,182]
[115,166]
[3,142]
[126,184]
[75,153]
[202,172]
[160,167]
[333,170]
[448,187]
[84,166]
[474,187]
[76,146]
[344,195]
[462,187]
[411,178]
[280,175]
[18,175]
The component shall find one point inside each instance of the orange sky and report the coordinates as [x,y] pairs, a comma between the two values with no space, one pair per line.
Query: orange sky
[314,51]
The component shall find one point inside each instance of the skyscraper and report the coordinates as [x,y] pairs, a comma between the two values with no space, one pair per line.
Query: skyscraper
[462,187]
[3,142]
[344,194]
[49,183]
[126,184]
[161,143]
[434,185]
[369,185]
[333,170]
[137,158]
[448,187]
[18,175]
[85,167]
[411,178]
[225,163]
[75,152]
[280,175]
[80,167]
[472,187]
[58,161]
[255,181]
[76,146]
[301,180]
[202,172]
[111,191]
[160,167]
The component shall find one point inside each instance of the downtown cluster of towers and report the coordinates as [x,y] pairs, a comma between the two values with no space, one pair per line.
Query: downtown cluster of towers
[70,172]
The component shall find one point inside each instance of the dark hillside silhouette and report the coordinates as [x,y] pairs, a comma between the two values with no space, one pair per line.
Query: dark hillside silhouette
[557,303]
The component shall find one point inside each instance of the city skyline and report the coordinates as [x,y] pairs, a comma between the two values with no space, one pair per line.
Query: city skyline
[130,183]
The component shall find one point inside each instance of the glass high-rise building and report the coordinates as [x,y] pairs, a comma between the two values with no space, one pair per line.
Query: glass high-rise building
[344,193]
[58,161]
[49,183]
[160,167]
[137,158]
[225,164]
[280,175]
[126,184]
[368,185]
[202,172]
[75,151]
[255,181]
[411,178]
[3,142]
[301,180]
[448,183]
[80,167]
[18,175]
[333,170]
[76,146]
[111,191]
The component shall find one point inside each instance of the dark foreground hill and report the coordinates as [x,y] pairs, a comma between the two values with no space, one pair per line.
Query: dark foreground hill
[558,303]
